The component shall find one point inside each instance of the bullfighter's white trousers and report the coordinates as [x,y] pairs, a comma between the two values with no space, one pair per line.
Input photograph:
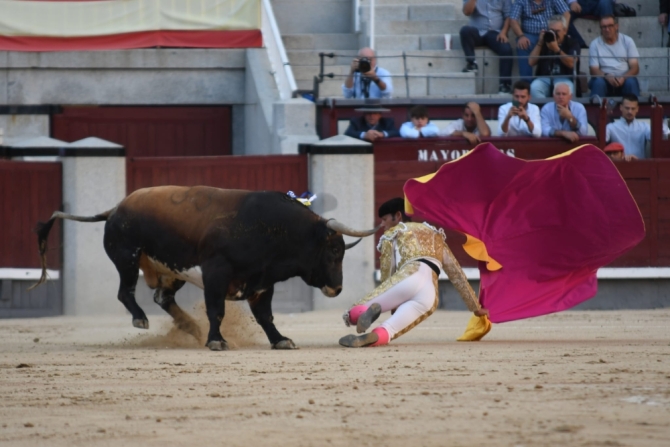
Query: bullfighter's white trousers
[414,298]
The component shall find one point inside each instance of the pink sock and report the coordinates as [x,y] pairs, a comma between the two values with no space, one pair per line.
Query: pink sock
[383,336]
[356,312]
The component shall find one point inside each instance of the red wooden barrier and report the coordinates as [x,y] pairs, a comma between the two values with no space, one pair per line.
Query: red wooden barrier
[280,173]
[151,131]
[29,192]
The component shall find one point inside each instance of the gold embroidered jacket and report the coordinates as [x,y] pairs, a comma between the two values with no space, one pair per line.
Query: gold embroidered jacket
[408,242]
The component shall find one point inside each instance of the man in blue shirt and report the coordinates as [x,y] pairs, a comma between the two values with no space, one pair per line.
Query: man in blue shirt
[489,24]
[528,19]
[564,117]
[633,134]
[366,79]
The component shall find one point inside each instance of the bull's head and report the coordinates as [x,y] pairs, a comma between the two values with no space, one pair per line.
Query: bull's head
[327,272]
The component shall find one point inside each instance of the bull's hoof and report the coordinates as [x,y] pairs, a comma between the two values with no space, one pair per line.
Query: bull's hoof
[217,345]
[285,344]
[142,324]
[359,341]
[368,317]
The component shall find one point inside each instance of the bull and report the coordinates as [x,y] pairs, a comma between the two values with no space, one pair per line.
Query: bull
[233,244]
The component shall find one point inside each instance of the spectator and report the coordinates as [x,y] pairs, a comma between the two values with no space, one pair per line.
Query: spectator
[471,126]
[552,70]
[613,62]
[615,152]
[664,6]
[581,8]
[489,24]
[564,117]
[528,19]
[371,126]
[419,124]
[366,79]
[519,117]
[628,131]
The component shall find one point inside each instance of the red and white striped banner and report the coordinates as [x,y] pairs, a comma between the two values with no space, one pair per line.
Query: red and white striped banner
[122,24]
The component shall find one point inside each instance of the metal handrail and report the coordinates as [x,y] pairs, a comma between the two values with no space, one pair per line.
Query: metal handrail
[272,40]
[407,75]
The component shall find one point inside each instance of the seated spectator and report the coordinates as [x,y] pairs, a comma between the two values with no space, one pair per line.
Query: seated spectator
[489,24]
[553,42]
[471,126]
[613,62]
[419,124]
[628,131]
[581,8]
[564,117]
[519,117]
[527,19]
[371,126]
[616,153]
[664,6]
[366,79]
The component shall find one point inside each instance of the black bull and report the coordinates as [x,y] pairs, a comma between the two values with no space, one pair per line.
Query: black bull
[233,244]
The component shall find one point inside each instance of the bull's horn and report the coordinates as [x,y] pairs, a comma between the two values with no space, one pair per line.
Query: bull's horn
[352,244]
[343,229]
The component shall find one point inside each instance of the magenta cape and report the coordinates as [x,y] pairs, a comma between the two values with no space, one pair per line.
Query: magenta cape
[540,229]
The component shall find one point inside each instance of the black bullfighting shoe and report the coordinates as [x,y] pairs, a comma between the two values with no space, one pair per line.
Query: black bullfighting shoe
[368,317]
[359,341]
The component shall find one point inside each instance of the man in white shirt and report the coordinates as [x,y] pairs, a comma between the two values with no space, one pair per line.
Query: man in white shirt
[519,117]
[628,131]
[471,126]
[613,62]
[564,117]
[366,79]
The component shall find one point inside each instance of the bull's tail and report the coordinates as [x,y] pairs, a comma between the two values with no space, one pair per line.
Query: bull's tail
[43,228]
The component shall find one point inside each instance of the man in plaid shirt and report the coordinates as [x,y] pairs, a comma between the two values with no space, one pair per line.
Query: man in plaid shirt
[528,19]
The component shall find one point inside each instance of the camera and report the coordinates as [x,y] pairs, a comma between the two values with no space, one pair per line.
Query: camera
[364,65]
[549,36]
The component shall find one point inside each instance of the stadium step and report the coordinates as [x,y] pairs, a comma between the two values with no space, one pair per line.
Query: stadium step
[315,41]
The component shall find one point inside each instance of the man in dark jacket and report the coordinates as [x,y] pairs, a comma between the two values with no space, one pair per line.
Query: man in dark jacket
[372,126]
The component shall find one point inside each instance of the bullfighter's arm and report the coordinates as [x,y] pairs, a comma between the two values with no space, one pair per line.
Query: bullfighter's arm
[458,279]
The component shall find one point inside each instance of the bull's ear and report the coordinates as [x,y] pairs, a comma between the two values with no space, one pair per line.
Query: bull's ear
[352,244]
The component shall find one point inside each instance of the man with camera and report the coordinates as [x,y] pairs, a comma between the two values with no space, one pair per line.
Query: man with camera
[555,56]
[528,19]
[366,79]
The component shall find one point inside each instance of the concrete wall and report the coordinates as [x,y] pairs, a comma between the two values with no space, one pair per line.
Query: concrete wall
[261,93]
[315,16]
[91,185]
[345,185]
[148,76]
[24,125]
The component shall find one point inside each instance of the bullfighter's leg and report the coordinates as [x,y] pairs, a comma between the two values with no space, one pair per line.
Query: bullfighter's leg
[413,295]
[261,307]
[216,276]
[164,297]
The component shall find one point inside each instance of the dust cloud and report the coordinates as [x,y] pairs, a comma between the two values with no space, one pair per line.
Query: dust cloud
[238,327]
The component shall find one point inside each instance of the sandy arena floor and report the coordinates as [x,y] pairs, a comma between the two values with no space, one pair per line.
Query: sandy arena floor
[572,379]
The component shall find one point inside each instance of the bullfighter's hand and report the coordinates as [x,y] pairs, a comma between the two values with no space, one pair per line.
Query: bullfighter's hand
[481,312]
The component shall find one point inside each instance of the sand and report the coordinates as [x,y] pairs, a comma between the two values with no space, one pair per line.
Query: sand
[571,379]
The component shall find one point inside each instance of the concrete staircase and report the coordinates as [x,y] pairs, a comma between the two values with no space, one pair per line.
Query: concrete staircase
[417,28]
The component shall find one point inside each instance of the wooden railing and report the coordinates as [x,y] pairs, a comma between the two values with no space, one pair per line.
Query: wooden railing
[278,173]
